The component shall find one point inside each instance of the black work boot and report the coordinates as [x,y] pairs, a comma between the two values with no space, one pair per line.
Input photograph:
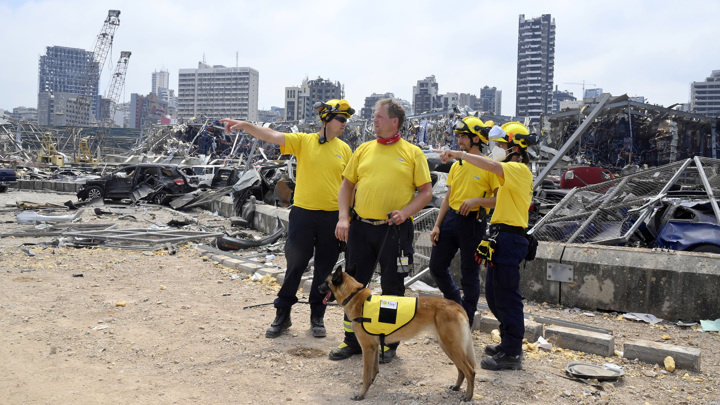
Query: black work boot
[502,361]
[281,323]
[317,326]
[492,350]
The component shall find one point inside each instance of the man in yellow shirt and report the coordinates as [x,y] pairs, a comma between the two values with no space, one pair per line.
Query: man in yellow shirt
[507,243]
[461,220]
[321,159]
[382,175]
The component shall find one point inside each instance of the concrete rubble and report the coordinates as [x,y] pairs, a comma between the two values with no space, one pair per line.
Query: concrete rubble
[665,161]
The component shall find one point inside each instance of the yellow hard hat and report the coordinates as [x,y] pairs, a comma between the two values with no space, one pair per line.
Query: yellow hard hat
[333,107]
[515,133]
[472,126]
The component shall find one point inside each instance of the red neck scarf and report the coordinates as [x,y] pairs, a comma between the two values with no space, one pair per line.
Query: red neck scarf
[391,140]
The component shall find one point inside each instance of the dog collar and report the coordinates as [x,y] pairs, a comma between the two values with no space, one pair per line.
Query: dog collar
[351,296]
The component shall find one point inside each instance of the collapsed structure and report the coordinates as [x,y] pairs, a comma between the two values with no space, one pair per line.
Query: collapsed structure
[627,132]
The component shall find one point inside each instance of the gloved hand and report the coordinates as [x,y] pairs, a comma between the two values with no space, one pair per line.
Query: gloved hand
[484,252]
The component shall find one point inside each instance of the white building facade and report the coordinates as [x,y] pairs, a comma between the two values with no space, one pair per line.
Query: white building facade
[218,92]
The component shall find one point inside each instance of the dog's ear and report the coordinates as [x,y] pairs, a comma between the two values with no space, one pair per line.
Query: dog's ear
[352,270]
[337,277]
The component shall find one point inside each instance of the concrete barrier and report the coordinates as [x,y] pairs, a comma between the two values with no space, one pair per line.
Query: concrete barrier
[668,284]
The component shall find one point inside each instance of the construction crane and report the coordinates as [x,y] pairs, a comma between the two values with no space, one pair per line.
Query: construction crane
[116,86]
[50,155]
[84,154]
[103,43]
[583,86]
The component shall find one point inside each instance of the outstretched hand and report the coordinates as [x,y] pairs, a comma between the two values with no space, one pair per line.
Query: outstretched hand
[446,154]
[232,124]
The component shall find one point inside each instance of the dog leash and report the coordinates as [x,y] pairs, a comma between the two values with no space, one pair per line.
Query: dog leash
[273,302]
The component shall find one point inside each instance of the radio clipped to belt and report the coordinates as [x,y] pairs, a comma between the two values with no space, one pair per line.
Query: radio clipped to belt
[485,250]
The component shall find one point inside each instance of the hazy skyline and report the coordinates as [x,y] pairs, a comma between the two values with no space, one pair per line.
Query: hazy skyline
[654,49]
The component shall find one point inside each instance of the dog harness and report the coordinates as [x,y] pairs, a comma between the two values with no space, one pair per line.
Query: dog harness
[385,314]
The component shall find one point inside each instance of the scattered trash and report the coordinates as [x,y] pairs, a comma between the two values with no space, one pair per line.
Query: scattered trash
[26,205]
[230,243]
[648,318]
[100,327]
[33,217]
[613,366]
[120,304]
[543,344]
[686,324]
[710,326]
[28,252]
[78,275]
[592,371]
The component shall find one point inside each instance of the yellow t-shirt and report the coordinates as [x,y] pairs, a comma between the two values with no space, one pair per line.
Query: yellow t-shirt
[514,196]
[468,181]
[386,176]
[319,170]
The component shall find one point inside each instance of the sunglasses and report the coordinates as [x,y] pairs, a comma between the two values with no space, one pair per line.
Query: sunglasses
[340,118]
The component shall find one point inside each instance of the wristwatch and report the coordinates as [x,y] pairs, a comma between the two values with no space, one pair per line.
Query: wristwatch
[462,157]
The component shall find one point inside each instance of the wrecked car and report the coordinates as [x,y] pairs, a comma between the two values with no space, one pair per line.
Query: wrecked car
[688,225]
[8,178]
[584,176]
[156,183]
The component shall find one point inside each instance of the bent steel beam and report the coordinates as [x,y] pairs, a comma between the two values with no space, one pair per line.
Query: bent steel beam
[573,138]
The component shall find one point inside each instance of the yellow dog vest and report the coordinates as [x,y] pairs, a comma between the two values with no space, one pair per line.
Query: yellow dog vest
[384,314]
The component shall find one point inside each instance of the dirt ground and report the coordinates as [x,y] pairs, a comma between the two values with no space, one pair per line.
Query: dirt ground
[109,326]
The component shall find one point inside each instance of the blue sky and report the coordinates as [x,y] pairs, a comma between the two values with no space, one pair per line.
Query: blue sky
[654,49]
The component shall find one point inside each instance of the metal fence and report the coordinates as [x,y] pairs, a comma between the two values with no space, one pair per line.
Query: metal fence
[610,213]
[423,223]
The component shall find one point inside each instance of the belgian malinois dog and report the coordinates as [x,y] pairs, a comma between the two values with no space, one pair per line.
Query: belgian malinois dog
[445,317]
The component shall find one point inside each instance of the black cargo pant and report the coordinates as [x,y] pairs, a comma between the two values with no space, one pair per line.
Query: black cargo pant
[367,242]
[310,233]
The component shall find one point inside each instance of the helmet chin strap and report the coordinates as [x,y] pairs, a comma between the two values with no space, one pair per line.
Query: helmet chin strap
[324,139]
[510,156]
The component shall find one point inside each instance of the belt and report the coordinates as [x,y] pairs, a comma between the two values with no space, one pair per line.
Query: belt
[479,214]
[507,228]
[374,222]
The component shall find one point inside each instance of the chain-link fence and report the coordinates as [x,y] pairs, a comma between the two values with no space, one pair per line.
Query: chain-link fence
[423,223]
[617,211]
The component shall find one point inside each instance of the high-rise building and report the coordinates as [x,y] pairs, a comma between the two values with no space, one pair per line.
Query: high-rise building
[368,109]
[68,79]
[295,103]
[705,96]
[425,95]
[25,114]
[147,110]
[299,100]
[160,79]
[449,100]
[218,92]
[559,97]
[535,67]
[467,100]
[490,100]
[593,93]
